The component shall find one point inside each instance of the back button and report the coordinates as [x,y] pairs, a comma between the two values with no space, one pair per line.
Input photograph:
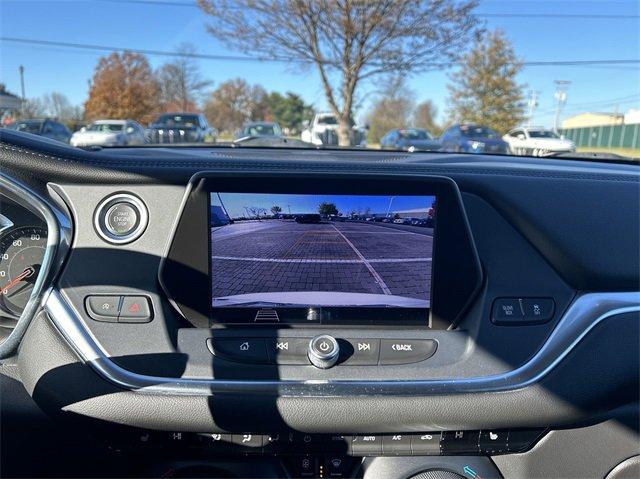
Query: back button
[405,351]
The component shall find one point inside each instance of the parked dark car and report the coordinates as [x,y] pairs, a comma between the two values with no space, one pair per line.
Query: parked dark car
[470,138]
[308,218]
[410,139]
[47,128]
[181,128]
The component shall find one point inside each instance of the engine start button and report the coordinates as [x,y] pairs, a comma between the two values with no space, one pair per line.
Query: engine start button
[122,218]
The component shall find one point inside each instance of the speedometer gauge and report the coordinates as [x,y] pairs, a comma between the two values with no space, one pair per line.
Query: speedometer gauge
[21,253]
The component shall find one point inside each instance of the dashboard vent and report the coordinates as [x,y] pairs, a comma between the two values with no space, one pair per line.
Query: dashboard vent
[270,315]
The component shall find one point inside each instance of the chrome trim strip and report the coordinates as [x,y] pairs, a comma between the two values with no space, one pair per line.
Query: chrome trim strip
[586,312]
[5,223]
[58,241]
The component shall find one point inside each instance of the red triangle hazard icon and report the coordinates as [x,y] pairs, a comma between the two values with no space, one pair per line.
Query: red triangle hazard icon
[134,308]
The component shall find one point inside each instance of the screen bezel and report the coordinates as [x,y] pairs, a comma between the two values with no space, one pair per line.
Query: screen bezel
[456,273]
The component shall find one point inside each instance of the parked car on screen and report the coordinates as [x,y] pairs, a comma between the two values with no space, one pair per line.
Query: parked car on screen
[48,128]
[308,218]
[409,139]
[181,128]
[537,142]
[470,138]
[109,133]
[258,129]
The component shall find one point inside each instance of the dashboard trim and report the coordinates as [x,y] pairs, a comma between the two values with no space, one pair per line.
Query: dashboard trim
[584,314]
[58,241]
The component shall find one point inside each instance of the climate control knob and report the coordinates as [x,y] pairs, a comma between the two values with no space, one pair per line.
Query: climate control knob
[323,351]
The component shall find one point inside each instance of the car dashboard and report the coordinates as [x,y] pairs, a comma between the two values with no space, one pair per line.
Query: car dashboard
[161,319]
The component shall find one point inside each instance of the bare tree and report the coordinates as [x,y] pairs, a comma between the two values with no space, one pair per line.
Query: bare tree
[181,84]
[256,212]
[391,110]
[59,106]
[347,41]
[235,102]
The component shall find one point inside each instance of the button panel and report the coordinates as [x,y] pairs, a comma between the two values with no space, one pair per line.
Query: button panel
[353,352]
[119,308]
[522,311]
[485,442]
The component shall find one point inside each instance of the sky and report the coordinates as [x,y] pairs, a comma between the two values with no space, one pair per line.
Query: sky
[149,25]
[235,203]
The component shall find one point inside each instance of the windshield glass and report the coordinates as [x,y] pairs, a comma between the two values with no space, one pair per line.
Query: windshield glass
[327,120]
[106,127]
[26,126]
[444,74]
[261,130]
[415,134]
[477,132]
[177,121]
[542,134]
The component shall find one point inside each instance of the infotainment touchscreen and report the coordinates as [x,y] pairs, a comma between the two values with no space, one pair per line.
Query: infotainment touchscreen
[279,257]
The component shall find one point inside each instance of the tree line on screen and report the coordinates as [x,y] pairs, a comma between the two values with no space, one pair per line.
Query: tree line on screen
[357,49]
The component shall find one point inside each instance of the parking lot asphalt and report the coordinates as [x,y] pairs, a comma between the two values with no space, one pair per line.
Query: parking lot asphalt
[284,256]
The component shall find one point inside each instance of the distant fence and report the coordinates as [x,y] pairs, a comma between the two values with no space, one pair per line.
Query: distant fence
[618,136]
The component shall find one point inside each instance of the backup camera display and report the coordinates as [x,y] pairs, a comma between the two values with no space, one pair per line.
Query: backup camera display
[293,250]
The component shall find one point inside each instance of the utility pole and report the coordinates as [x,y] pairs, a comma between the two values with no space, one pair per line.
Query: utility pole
[389,207]
[24,99]
[533,104]
[561,98]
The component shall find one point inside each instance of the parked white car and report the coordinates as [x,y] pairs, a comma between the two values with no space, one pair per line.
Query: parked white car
[537,142]
[323,130]
[109,133]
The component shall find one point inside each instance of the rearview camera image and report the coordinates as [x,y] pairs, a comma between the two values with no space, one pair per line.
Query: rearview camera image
[291,250]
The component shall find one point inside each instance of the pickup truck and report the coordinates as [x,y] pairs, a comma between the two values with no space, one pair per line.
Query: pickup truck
[323,130]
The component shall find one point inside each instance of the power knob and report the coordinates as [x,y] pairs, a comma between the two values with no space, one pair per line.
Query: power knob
[323,351]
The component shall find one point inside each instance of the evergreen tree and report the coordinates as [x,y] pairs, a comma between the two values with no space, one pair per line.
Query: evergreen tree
[484,89]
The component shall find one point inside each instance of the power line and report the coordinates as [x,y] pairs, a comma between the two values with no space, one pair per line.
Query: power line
[203,56]
[170,3]
[88,46]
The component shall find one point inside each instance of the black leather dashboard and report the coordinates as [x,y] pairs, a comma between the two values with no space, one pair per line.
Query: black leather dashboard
[542,228]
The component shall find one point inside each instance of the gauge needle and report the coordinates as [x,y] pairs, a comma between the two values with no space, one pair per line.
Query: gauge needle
[24,275]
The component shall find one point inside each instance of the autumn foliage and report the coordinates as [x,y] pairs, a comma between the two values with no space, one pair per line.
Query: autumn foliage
[123,86]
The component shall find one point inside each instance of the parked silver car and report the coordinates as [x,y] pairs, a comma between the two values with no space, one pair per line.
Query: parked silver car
[109,133]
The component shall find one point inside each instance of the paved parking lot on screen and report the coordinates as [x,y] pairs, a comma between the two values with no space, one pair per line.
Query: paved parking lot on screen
[284,256]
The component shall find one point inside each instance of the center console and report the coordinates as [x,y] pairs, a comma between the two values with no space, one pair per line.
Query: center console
[305,306]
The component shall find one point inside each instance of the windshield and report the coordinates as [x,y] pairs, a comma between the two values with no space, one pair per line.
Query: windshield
[177,121]
[261,130]
[106,127]
[327,120]
[542,134]
[477,132]
[26,126]
[415,134]
[375,75]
